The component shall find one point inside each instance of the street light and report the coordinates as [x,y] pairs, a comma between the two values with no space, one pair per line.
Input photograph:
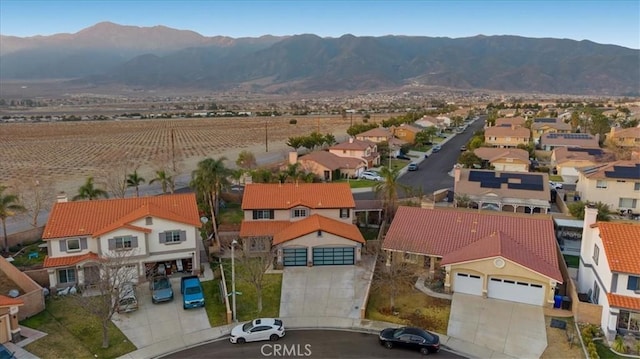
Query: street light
[233,281]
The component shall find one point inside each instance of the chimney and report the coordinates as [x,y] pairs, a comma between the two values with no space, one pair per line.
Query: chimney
[293,157]
[456,174]
[62,197]
[590,215]
[350,139]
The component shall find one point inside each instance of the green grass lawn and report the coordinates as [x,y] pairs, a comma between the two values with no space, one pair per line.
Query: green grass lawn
[23,260]
[231,214]
[213,303]
[555,178]
[605,353]
[572,261]
[357,183]
[369,233]
[73,333]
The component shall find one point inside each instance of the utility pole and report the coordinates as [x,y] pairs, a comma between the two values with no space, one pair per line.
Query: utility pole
[266,135]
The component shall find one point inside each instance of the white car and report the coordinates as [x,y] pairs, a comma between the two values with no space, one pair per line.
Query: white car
[555,185]
[370,175]
[258,329]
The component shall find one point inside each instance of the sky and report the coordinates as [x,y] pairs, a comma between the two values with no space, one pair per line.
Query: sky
[604,21]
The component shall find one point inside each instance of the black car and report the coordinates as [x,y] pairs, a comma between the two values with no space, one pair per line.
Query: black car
[410,338]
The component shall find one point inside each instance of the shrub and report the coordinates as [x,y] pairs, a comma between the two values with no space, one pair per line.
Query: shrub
[293,121]
[618,345]
[543,169]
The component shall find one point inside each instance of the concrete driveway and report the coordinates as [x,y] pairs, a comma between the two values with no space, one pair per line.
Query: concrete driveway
[325,291]
[153,323]
[515,329]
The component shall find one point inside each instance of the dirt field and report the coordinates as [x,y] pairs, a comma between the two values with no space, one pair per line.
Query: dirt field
[69,152]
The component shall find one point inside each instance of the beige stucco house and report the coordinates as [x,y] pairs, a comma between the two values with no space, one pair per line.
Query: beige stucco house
[376,135]
[551,141]
[567,160]
[517,121]
[507,136]
[625,137]
[328,166]
[505,159]
[543,125]
[616,184]
[364,150]
[490,254]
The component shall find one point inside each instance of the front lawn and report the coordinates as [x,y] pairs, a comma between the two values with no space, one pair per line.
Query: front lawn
[73,333]
[214,303]
[412,308]
[357,183]
[572,261]
[604,352]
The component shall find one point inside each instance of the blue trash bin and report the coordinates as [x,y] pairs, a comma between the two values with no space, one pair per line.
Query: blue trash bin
[557,301]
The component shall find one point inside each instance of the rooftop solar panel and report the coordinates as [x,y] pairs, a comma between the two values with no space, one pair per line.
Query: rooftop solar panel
[624,172]
[545,120]
[591,151]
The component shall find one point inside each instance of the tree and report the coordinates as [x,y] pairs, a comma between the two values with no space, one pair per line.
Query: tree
[116,167]
[575,120]
[360,127]
[469,159]
[461,200]
[35,193]
[476,142]
[254,267]
[387,191]
[426,135]
[247,160]
[89,191]
[208,180]
[134,180]
[295,142]
[600,125]
[577,210]
[166,181]
[392,275]
[111,272]
[9,207]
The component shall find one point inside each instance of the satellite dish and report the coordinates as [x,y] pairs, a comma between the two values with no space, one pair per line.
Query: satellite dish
[14,293]
[204,219]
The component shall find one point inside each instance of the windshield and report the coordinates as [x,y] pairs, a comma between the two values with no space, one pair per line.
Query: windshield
[192,290]
[161,284]
[246,327]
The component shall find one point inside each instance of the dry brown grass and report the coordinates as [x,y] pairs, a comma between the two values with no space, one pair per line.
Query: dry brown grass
[558,344]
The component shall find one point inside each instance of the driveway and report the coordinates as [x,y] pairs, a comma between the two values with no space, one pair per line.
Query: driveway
[325,291]
[515,329]
[153,323]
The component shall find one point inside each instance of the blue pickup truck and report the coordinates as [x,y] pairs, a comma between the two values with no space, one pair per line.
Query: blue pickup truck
[192,295]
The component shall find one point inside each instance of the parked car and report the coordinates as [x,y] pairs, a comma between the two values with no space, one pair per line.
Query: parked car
[436,148]
[463,148]
[127,299]
[191,289]
[258,329]
[555,185]
[412,166]
[410,338]
[161,290]
[403,157]
[370,175]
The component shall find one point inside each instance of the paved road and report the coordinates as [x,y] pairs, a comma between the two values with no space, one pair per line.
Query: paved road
[306,344]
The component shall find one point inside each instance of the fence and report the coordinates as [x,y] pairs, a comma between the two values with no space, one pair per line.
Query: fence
[377,246]
[24,237]
[583,312]
[34,296]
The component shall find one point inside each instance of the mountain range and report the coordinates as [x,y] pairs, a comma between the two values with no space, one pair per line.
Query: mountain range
[161,57]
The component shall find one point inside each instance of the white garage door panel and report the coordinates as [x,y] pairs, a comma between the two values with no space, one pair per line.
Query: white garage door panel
[467,283]
[516,291]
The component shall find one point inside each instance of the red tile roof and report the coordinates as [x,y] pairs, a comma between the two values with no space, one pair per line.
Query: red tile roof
[262,228]
[318,223]
[93,218]
[623,301]
[289,195]
[10,302]
[439,232]
[492,153]
[621,243]
[69,260]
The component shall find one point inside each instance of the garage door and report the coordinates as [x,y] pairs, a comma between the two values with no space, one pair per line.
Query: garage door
[516,291]
[467,283]
[294,257]
[333,256]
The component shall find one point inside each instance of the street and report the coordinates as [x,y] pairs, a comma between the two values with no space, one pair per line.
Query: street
[306,344]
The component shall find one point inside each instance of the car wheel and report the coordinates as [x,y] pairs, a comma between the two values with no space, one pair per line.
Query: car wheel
[424,351]
[274,337]
[241,341]
[388,345]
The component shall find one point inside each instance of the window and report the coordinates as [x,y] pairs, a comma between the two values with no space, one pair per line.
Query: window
[263,214]
[633,283]
[124,242]
[636,186]
[627,203]
[319,233]
[344,212]
[596,253]
[629,321]
[148,221]
[73,245]
[257,244]
[601,184]
[172,236]
[66,276]
[299,213]
[596,293]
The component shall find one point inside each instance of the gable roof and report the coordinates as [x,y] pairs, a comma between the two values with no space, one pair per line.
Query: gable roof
[93,218]
[494,153]
[506,131]
[289,195]
[518,121]
[353,144]
[623,301]
[409,127]
[439,232]
[631,132]
[570,140]
[10,302]
[613,170]
[564,154]
[331,160]
[68,260]
[316,223]
[621,243]
[556,123]
[375,132]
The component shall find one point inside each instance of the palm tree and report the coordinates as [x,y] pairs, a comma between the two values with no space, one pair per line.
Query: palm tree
[89,191]
[134,180]
[166,181]
[208,180]
[387,190]
[9,207]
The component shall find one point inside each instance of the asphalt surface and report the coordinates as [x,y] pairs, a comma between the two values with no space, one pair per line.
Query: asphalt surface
[306,344]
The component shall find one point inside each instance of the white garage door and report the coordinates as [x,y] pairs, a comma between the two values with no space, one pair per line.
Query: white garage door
[516,291]
[467,283]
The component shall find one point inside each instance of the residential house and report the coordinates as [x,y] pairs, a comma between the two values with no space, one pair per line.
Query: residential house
[365,150]
[9,327]
[540,126]
[491,254]
[616,184]
[551,141]
[511,121]
[306,224]
[30,293]
[145,233]
[503,191]
[567,160]
[406,132]
[609,273]
[508,112]
[625,137]
[376,135]
[329,166]
[506,137]
[505,159]
[428,121]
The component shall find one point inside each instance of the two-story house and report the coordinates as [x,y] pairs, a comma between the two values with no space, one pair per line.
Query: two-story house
[616,184]
[511,121]
[365,150]
[375,135]
[305,224]
[144,233]
[406,132]
[625,137]
[609,272]
[506,136]
[567,160]
[543,125]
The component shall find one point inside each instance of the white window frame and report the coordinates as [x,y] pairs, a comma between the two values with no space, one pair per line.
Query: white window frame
[75,241]
[345,213]
[67,271]
[262,214]
[636,186]
[172,236]
[124,242]
[627,203]
[299,213]
[601,184]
